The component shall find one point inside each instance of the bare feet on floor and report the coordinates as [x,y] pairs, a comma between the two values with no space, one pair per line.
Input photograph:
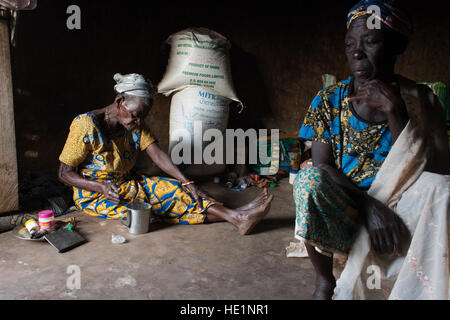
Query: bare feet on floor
[253,212]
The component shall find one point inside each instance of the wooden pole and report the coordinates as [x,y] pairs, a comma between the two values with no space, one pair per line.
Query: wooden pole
[9,197]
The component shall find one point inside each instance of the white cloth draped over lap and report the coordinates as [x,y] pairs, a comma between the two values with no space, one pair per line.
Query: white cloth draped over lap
[422,201]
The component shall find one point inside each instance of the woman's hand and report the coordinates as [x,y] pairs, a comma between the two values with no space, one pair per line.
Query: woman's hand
[71,177]
[110,191]
[199,195]
[381,96]
[196,194]
[386,98]
[386,229]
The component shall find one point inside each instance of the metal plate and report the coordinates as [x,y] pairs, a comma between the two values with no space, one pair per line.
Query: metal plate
[21,232]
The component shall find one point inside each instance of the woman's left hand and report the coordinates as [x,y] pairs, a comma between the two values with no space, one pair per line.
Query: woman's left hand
[195,194]
[199,195]
[382,96]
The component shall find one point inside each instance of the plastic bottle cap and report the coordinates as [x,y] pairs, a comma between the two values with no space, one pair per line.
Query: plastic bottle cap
[46,214]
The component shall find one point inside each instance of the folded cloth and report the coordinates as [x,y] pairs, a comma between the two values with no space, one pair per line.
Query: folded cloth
[11,221]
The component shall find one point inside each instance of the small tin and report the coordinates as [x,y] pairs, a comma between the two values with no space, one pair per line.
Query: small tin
[46,220]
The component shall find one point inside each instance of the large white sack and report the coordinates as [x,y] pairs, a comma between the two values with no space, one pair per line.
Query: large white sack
[196,104]
[198,57]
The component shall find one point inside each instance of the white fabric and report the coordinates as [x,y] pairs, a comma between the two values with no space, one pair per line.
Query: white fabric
[133,84]
[421,199]
[423,273]
[423,205]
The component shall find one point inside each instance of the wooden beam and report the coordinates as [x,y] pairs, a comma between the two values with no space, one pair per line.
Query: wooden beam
[9,197]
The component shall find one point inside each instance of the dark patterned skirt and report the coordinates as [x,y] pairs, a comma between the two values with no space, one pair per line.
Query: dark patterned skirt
[323,212]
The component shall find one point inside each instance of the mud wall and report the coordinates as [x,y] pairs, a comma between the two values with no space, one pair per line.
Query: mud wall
[279,52]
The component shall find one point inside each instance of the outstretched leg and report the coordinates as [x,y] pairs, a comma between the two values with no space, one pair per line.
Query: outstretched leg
[245,217]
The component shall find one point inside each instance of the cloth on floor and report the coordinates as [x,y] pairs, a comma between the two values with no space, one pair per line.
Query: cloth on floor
[296,250]
[9,222]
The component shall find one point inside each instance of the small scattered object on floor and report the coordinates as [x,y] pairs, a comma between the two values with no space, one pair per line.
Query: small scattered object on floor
[294,156]
[72,221]
[60,234]
[292,174]
[46,220]
[22,233]
[263,182]
[242,184]
[231,180]
[118,239]
[296,250]
[39,234]
[32,226]
[64,239]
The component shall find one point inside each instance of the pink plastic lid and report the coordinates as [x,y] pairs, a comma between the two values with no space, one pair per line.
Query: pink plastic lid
[46,214]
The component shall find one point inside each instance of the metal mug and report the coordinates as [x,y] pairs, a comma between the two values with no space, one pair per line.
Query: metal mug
[139,216]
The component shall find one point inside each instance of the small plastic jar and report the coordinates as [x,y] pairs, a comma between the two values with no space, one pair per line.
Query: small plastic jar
[292,175]
[32,226]
[46,220]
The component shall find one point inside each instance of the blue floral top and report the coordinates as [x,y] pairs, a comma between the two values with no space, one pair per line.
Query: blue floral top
[359,147]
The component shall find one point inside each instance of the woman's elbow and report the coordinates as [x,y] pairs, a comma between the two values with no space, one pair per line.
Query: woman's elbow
[63,173]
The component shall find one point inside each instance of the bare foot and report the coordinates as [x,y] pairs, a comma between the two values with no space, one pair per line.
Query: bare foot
[253,215]
[258,201]
[324,288]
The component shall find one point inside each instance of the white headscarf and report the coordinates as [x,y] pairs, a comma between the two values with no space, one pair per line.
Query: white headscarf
[133,84]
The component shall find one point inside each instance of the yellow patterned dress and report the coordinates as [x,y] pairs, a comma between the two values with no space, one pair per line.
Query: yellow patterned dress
[102,157]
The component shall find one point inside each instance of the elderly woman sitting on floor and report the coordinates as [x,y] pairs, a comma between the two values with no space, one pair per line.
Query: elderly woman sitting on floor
[100,153]
[378,190]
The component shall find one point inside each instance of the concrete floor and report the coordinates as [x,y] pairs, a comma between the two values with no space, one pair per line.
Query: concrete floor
[171,262]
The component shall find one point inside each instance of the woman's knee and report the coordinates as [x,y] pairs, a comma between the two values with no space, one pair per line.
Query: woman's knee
[310,179]
[312,174]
